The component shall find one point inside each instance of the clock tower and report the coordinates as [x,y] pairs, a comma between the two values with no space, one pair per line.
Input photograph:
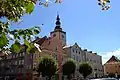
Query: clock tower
[58,33]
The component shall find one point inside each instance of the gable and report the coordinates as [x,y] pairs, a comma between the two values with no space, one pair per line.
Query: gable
[113,59]
[76,46]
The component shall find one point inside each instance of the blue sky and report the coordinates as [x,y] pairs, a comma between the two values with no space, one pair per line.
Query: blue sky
[84,22]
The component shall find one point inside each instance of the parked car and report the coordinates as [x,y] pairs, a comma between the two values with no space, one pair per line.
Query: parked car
[105,79]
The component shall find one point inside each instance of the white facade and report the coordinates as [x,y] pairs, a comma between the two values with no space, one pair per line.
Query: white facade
[96,63]
[75,53]
[79,55]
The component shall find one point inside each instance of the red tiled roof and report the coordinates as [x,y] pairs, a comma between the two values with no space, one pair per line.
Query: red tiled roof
[40,40]
[113,59]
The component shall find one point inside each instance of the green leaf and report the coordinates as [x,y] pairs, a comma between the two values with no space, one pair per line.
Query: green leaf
[24,37]
[16,47]
[36,31]
[29,32]
[20,32]
[31,50]
[37,27]
[29,7]
[3,40]
[108,1]
[26,42]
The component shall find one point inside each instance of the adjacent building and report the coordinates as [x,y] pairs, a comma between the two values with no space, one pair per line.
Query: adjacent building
[112,67]
[95,61]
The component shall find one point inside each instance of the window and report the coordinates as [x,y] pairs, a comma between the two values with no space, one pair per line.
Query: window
[35,64]
[76,46]
[62,36]
[79,52]
[95,69]
[56,48]
[76,51]
[19,62]
[20,54]
[30,66]
[54,35]
[49,43]
[23,53]
[13,56]
[90,60]
[55,56]
[22,62]
[76,58]
[79,60]
[15,62]
[73,50]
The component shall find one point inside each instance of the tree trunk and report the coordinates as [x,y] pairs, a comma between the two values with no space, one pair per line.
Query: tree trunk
[84,75]
[68,77]
[49,78]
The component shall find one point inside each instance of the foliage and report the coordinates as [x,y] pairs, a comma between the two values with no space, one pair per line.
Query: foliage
[85,69]
[68,68]
[12,11]
[103,4]
[47,67]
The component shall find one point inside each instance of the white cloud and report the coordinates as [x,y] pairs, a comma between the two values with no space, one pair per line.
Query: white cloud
[107,55]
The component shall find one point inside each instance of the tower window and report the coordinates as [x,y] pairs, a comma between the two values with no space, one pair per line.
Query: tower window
[62,36]
[54,35]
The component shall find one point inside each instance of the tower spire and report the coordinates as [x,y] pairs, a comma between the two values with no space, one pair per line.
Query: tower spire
[58,23]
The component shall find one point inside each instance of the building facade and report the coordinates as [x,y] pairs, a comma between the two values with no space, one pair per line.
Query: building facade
[23,65]
[96,63]
[80,56]
[112,67]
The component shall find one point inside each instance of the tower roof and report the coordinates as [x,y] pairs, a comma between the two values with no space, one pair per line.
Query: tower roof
[58,23]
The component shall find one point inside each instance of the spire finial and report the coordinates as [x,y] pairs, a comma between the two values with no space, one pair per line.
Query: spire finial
[58,18]
[58,24]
